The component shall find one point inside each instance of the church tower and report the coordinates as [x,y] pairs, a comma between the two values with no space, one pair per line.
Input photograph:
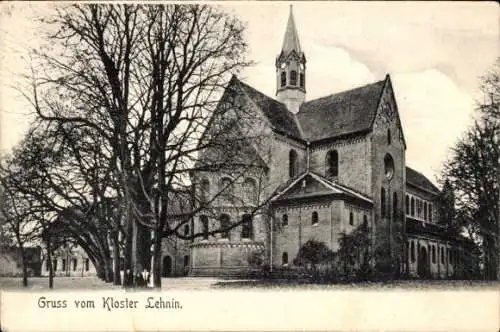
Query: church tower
[291,69]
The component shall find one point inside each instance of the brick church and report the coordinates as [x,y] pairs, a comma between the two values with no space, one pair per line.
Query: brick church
[329,165]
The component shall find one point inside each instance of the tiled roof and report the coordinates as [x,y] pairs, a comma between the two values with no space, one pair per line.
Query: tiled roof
[326,188]
[343,113]
[277,113]
[419,180]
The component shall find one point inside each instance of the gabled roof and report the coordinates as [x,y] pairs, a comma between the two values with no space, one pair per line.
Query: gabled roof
[278,115]
[340,114]
[419,180]
[314,186]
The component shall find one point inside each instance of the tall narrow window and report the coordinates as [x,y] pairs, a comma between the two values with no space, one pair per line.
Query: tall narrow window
[425,211]
[250,191]
[64,265]
[412,252]
[283,79]
[302,80]
[388,166]
[186,260]
[224,225]
[284,219]
[226,188]
[314,218]
[430,212]
[365,223]
[394,206]
[284,258]
[442,255]
[204,226]
[292,163]
[332,163]
[412,207]
[74,264]
[246,227]
[433,253]
[389,138]
[382,202]
[204,190]
[293,78]
[351,218]
[407,205]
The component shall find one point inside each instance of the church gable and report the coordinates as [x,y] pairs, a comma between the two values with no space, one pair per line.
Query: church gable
[308,186]
[313,185]
[387,110]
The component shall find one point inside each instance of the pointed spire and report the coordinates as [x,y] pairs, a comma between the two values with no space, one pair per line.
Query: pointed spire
[291,40]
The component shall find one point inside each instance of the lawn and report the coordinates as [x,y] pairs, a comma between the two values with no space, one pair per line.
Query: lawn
[201,283]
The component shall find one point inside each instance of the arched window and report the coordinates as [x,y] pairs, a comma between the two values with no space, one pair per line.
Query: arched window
[332,163]
[293,78]
[382,202]
[407,205]
[302,78]
[284,258]
[250,191]
[292,163]
[433,253]
[186,230]
[204,190]
[284,219]
[204,226]
[186,260]
[412,252]
[412,207]
[283,78]
[365,222]
[314,218]
[246,227]
[389,138]
[430,212]
[351,218]
[419,208]
[226,188]
[388,166]
[224,225]
[394,206]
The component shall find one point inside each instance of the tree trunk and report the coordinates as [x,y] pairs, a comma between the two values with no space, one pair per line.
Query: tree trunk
[157,260]
[51,267]
[116,260]
[128,282]
[25,268]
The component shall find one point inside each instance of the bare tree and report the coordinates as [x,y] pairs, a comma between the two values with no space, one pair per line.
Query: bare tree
[473,173]
[145,80]
[17,219]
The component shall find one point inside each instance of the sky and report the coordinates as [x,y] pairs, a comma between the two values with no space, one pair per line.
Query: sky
[435,53]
